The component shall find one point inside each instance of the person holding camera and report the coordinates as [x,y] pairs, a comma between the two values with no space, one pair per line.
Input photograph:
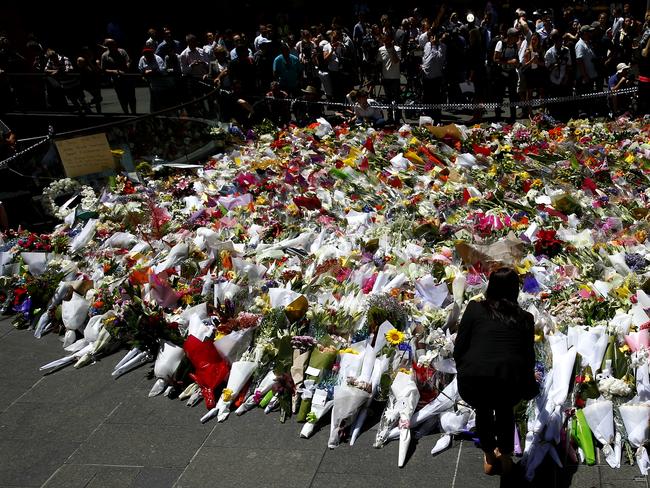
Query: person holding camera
[559,64]
[389,57]
[433,63]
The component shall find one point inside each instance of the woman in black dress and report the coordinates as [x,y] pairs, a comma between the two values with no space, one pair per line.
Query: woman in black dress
[495,359]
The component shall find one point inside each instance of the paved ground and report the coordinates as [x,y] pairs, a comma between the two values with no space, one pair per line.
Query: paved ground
[81,428]
[110,105]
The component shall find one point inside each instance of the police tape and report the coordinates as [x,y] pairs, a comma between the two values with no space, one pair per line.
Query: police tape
[43,139]
[538,102]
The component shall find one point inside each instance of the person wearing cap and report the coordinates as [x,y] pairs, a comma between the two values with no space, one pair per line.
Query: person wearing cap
[618,81]
[150,62]
[307,109]
[506,56]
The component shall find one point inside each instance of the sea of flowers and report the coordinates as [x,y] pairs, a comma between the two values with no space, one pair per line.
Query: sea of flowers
[321,272]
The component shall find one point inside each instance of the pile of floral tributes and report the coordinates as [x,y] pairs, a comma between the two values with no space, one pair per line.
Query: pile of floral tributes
[322,271]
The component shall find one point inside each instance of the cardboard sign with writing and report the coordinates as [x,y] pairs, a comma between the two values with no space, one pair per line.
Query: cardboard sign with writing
[85,155]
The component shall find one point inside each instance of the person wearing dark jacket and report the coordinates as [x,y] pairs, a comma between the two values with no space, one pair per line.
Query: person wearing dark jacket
[495,360]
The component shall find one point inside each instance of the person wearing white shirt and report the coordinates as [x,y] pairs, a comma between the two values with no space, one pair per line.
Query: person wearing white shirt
[326,54]
[433,62]
[365,112]
[194,62]
[195,66]
[389,57]
[239,41]
[262,36]
[586,73]
[585,56]
[209,46]
[558,62]
[150,62]
[152,67]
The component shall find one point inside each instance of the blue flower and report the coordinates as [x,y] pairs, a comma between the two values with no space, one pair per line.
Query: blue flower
[404,347]
[530,284]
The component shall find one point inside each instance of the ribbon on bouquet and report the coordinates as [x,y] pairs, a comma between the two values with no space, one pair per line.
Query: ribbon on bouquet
[307,390]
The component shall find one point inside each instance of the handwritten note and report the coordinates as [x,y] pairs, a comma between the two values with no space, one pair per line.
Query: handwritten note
[85,155]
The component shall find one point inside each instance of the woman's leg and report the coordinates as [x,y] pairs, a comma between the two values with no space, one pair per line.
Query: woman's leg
[486,428]
[504,428]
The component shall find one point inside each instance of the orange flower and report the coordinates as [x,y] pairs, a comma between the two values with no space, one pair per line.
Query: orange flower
[226,260]
[139,276]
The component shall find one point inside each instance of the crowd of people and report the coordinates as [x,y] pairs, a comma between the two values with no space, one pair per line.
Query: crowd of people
[278,72]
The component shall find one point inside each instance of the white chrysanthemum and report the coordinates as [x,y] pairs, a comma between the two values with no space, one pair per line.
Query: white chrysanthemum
[610,387]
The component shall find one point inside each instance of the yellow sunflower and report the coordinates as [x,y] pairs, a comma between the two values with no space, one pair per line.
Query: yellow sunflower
[394,337]
[348,350]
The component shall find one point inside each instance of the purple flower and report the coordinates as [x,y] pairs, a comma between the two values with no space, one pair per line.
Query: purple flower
[474,279]
[635,261]
[24,308]
[530,284]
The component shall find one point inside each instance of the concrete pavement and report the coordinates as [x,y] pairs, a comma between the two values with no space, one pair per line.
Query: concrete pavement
[81,428]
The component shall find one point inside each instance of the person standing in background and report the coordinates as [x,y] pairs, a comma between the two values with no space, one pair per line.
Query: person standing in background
[116,63]
[389,57]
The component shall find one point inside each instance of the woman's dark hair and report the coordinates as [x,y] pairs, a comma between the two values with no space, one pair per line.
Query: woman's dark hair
[501,297]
